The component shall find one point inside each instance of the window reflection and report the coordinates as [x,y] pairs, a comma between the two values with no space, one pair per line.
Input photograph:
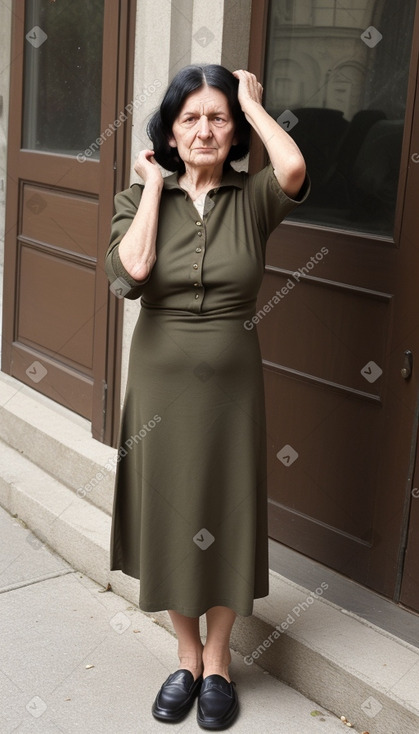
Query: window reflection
[62,75]
[343,70]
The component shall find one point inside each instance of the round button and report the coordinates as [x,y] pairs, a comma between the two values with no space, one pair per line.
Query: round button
[198,224]
[199,234]
[196,285]
[198,249]
[195,266]
[196,295]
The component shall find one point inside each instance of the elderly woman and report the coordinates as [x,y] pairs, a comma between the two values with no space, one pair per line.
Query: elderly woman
[190,508]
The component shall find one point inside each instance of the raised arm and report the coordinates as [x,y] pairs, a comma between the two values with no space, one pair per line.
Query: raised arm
[137,249]
[284,154]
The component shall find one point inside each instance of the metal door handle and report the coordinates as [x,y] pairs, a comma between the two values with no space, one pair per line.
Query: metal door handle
[407,364]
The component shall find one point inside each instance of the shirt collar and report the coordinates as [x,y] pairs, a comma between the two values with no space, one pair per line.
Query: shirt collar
[230,178]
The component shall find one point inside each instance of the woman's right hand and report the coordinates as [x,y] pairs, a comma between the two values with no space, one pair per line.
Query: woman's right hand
[146,167]
[137,248]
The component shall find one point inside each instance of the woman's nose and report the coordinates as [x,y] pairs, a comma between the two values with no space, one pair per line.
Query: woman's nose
[204,130]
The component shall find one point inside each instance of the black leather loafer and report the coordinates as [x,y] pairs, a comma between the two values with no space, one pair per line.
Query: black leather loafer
[218,704]
[176,696]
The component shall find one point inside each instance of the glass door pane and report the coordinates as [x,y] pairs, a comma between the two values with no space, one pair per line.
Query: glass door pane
[62,76]
[336,79]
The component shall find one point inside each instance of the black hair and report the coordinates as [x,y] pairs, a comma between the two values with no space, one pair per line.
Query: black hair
[187,80]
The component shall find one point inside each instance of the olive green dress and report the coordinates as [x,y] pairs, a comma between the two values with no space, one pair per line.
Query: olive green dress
[190,506]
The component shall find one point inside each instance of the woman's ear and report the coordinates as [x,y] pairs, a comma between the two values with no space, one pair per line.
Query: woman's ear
[172,142]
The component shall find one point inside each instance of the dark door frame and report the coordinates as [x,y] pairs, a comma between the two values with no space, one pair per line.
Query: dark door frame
[107,401]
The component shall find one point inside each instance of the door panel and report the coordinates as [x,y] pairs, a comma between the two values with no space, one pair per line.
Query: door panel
[338,305]
[56,285]
[69,82]
[350,325]
[52,218]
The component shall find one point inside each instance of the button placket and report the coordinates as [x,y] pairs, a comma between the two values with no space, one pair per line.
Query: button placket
[197,262]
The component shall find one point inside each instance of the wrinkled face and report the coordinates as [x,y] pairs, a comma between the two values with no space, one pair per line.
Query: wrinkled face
[204,130]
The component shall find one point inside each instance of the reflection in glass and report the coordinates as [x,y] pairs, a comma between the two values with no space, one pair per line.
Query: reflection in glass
[343,71]
[62,75]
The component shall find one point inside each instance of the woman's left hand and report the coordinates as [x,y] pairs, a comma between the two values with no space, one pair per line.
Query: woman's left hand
[249,90]
[285,156]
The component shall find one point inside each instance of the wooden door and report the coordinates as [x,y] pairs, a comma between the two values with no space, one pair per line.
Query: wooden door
[66,137]
[338,307]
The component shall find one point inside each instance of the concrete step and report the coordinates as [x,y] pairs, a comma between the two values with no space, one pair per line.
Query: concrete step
[345,664]
[58,441]
[57,517]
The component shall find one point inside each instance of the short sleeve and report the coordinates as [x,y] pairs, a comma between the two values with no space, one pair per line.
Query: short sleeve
[122,284]
[271,203]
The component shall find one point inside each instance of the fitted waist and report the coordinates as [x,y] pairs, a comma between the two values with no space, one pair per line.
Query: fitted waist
[239,313]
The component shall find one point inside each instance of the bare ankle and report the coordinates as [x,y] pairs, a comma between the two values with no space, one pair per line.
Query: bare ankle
[217,664]
[191,660]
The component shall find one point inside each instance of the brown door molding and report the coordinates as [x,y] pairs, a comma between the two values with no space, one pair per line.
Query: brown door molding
[108,348]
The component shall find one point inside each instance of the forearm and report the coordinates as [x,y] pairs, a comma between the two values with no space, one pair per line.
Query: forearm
[137,249]
[283,152]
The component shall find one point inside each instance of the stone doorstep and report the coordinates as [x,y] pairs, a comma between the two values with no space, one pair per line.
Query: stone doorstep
[57,440]
[337,659]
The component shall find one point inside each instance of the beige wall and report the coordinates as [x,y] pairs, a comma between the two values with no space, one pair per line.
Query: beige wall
[168,37]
